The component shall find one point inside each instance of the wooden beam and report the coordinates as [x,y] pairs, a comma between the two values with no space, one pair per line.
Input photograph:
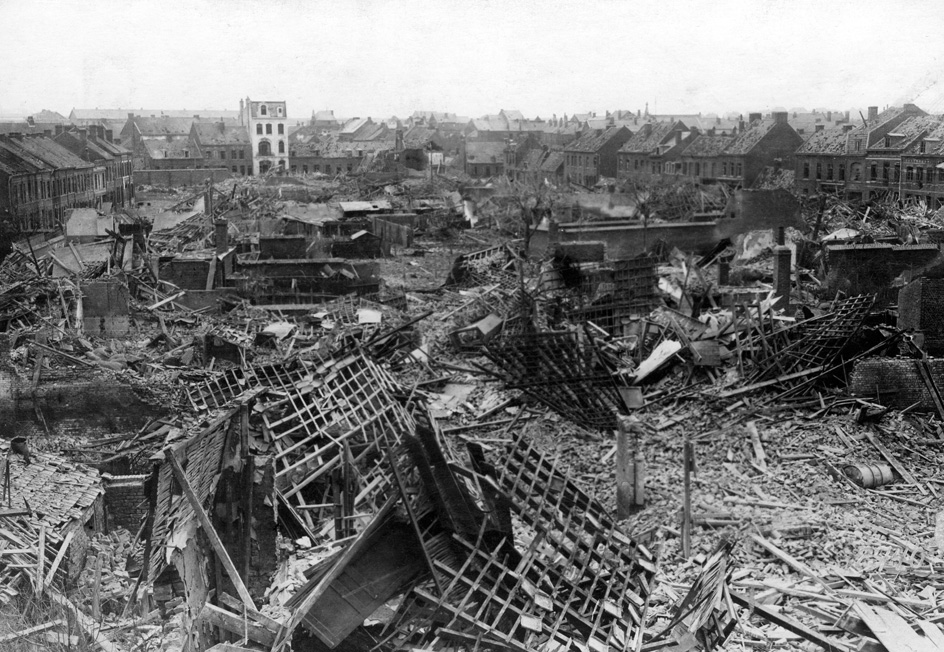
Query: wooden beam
[232,623]
[208,528]
[6,638]
[798,628]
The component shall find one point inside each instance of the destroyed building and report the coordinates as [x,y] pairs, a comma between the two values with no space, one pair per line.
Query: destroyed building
[380,411]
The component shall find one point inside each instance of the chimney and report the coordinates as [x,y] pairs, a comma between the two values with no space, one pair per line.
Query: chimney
[829,116]
[222,236]
[847,116]
[130,115]
[398,145]
[780,117]
[818,127]
[753,117]
[847,127]
[60,129]
[711,131]
[741,126]
[873,113]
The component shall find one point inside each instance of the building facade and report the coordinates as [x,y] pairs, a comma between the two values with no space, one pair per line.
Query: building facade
[267,124]
[594,155]
[40,179]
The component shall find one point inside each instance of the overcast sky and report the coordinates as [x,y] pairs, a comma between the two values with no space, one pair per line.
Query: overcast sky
[390,57]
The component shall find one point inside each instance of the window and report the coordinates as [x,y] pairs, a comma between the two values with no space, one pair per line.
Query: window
[919,174]
[265,149]
[350,167]
[242,153]
[234,169]
[829,171]
[263,110]
[292,153]
[269,128]
[858,145]
[280,111]
[259,129]
[282,164]
[930,175]
[242,169]
[305,169]
[739,170]
[281,128]
[697,169]
[685,168]
[806,169]
[232,154]
[316,168]
[327,169]
[724,169]
[222,154]
[897,171]
[842,172]
[294,169]
[186,153]
[888,141]
[281,147]
[712,168]
[923,147]
[488,170]
[885,168]
[873,172]
[819,170]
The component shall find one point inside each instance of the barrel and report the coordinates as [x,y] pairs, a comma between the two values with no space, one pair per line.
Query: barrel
[870,475]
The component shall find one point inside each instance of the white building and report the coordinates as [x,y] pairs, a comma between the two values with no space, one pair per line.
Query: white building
[267,123]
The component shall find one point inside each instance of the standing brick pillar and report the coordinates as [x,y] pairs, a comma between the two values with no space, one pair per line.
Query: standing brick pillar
[783,258]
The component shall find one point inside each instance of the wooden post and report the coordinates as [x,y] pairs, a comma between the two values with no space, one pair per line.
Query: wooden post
[97,590]
[630,470]
[208,528]
[40,559]
[688,460]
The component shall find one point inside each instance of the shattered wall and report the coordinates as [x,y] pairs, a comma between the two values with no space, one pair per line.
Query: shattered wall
[105,311]
[921,308]
[71,401]
[871,268]
[896,382]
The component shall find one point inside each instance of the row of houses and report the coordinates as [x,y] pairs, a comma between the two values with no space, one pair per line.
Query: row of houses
[42,176]
[898,152]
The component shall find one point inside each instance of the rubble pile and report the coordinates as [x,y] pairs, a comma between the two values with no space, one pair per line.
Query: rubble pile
[467,442]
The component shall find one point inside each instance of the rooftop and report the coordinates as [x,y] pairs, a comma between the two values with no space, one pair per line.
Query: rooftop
[592,141]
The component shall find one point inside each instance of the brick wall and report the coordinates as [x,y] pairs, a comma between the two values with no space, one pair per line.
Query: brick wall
[180,177]
[921,308]
[125,501]
[895,382]
[72,401]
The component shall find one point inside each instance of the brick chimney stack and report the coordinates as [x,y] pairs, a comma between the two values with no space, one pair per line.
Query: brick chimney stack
[780,117]
[873,112]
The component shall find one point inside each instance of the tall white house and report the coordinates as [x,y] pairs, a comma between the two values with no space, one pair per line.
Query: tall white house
[267,123]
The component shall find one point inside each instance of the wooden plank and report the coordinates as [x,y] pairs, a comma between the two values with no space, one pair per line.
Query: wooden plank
[63,548]
[85,623]
[758,446]
[792,562]
[774,616]
[893,631]
[6,638]
[891,459]
[208,529]
[164,302]
[933,632]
